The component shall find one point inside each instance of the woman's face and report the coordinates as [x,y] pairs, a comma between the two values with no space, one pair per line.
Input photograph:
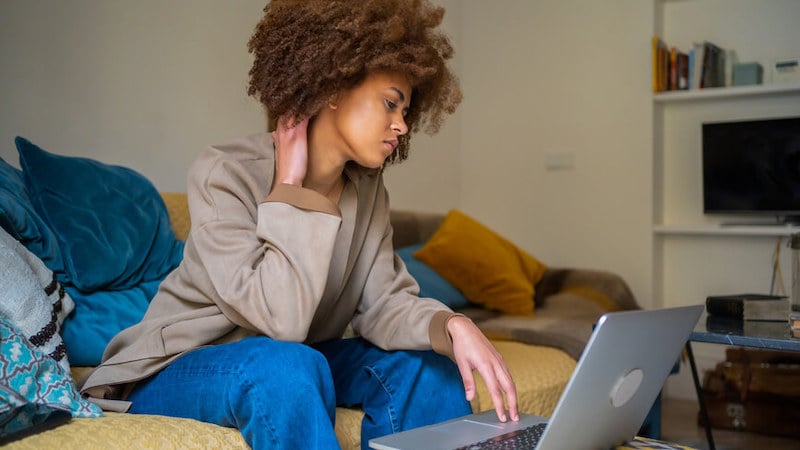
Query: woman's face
[370,117]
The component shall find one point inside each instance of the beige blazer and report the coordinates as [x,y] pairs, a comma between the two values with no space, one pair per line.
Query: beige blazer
[288,264]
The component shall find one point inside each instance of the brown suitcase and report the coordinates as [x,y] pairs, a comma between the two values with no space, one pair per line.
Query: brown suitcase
[756,391]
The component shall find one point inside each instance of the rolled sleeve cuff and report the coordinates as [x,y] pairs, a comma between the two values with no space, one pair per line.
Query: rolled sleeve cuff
[303,198]
[441,341]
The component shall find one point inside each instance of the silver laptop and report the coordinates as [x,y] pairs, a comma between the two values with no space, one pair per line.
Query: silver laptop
[617,379]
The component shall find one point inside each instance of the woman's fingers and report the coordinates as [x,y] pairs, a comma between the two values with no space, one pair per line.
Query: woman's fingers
[473,351]
[291,150]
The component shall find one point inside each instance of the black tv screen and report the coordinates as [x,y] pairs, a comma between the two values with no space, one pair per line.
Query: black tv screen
[752,167]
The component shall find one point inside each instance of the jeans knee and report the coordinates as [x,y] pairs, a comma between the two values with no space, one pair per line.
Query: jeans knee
[294,380]
[294,369]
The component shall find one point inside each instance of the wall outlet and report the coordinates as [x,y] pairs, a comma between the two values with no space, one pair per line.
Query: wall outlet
[559,160]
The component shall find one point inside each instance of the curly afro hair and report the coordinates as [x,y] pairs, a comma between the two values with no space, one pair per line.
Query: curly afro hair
[307,51]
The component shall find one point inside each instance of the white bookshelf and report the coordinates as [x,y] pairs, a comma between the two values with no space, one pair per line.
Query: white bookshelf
[761,90]
[694,254]
[726,230]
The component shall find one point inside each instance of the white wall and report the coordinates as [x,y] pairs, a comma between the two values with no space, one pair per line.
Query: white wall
[561,79]
[429,180]
[149,84]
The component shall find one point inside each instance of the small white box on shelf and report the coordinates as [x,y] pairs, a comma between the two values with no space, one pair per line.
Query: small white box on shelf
[786,70]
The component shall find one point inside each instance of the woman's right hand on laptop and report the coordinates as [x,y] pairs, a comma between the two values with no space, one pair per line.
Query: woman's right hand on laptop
[473,351]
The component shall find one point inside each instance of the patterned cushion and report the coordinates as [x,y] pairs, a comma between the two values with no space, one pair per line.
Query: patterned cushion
[33,386]
[32,299]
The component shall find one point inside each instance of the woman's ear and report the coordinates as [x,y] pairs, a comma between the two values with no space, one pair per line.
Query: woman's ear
[333,102]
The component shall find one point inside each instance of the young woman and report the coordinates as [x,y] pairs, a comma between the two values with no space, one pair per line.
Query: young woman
[291,242]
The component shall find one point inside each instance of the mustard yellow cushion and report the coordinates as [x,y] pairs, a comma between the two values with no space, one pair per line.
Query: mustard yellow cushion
[489,269]
[178,210]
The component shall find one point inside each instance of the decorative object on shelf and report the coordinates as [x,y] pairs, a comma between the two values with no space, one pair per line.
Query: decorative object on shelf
[786,70]
[745,74]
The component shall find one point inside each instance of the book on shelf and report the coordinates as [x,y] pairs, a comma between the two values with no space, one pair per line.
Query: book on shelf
[673,69]
[750,307]
[660,64]
[696,55]
[682,69]
[713,73]
[730,60]
[704,65]
[678,70]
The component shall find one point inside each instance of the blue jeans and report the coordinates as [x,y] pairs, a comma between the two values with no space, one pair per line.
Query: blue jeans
[284,395]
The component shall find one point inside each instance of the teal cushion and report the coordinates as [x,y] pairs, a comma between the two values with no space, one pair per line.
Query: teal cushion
[110,222]
[431,284]
[33,385]
[99,316]
[20,219]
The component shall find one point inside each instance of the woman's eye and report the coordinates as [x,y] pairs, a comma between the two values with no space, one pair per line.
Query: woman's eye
[391,105]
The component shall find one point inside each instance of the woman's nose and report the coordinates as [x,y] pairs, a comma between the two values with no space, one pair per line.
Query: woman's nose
[399,126]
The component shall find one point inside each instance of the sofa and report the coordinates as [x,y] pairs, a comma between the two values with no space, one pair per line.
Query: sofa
[540,348]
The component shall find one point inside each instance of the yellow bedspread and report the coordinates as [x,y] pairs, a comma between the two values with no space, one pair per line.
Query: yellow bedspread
[541,373]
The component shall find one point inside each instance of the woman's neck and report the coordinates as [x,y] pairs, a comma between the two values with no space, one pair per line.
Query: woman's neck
[325,170]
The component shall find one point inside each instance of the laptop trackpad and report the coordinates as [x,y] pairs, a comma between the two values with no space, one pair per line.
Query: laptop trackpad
[467,430]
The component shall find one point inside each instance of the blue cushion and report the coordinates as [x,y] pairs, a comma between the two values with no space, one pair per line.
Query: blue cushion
[99,316]
[431,284]
[20,219]
[110,222]
[29,377]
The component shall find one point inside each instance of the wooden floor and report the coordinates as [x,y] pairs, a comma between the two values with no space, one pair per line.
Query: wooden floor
[679,424]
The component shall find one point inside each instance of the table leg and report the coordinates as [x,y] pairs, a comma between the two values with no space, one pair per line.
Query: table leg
[700,400]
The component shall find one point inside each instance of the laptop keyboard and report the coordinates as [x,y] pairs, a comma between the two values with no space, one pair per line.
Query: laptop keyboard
[526,438]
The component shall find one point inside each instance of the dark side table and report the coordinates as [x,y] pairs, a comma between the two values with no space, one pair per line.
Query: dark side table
[726,331]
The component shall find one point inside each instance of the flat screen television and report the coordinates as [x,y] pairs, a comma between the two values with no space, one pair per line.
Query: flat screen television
[752,168]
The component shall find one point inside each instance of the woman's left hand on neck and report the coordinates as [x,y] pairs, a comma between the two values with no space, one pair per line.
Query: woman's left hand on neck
[291,151]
